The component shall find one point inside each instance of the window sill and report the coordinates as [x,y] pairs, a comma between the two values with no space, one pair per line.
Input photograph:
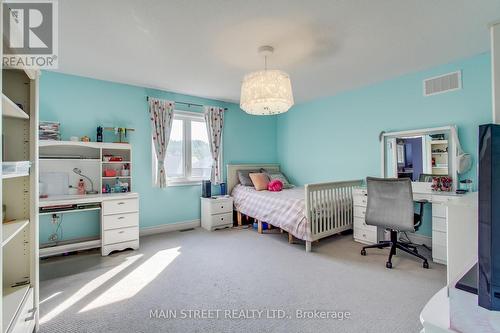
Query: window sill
[174,183]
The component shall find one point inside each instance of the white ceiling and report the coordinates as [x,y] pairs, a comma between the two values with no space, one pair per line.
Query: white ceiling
[204,47]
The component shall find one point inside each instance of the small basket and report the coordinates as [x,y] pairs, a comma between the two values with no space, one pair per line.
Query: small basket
[12,168]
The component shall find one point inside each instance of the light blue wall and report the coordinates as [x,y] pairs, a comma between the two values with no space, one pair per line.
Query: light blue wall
[336,138]
[81,104]
[332,138]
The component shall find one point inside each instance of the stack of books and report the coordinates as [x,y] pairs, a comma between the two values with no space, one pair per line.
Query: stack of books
[49,130]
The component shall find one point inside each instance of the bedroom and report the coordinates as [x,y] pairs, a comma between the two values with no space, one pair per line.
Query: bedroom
[298,115]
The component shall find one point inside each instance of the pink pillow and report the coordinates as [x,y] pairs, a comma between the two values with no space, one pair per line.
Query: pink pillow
[275,185]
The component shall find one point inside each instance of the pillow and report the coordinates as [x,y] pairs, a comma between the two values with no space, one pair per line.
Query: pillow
[259,180]
[277,175]
[275,185]
[244,178]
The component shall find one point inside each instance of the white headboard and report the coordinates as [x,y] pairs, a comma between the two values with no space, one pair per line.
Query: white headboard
[232,172]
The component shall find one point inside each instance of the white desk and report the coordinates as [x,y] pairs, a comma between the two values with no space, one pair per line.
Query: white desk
[119,221]
[460,310]
[446,208]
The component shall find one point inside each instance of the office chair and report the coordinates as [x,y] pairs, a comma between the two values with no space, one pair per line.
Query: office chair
[425,177]
[390,205]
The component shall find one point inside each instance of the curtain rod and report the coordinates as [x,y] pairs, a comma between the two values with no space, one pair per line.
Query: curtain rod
[188,104]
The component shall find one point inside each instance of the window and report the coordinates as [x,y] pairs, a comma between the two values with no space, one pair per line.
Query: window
[188,159]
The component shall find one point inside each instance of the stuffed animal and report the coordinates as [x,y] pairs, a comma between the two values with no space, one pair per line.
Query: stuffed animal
[275,185]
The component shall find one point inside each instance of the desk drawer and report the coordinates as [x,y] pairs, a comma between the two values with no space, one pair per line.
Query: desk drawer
[120,206]
[439,210]
[360,200]
[120,221]
[439,224]
[359,223]
[439,254]
[360,211]
[365,235]
[438,238]
[120,235]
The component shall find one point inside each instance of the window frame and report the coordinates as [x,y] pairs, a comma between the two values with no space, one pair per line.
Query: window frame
[186,117]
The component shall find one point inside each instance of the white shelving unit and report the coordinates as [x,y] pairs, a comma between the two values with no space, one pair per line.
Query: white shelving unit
[438,150]
[64,156]
[11,229]
[19,250]
[10,109]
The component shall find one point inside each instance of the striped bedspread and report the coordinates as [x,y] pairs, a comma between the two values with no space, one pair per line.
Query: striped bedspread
[285,209]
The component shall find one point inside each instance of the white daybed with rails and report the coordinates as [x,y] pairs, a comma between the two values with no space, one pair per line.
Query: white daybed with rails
[310,213]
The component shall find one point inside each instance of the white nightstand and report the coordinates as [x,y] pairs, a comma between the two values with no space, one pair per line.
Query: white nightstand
[216,212]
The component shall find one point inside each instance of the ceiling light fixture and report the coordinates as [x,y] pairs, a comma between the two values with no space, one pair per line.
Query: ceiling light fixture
[266,92]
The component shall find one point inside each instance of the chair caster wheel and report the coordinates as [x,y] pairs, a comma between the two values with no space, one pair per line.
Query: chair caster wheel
[425,264]
[388,264]
[363,252]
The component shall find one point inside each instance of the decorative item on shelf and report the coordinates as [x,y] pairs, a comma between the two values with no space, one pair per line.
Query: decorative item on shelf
[99,134]
[106,188]
[79,173]
[121,132]
[120,187]
[206,188]
[125,171]
[74,139]
[109,173]
[81,187]
[85,139]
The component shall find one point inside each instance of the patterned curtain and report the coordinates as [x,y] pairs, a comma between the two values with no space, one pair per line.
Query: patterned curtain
[161,114]
[214,117]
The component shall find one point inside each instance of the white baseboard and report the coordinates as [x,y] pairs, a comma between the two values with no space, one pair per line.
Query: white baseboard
[86,244]
[419,239]
[159,229]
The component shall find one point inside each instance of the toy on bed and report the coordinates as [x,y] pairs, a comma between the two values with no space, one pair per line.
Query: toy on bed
[275,185]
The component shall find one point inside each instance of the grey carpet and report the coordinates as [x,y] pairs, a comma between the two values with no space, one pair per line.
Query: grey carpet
[234,269]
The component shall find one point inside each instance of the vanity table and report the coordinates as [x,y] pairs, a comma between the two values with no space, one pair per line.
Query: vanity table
[446,209]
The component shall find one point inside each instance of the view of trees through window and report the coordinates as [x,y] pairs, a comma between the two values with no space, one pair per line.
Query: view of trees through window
[200,157]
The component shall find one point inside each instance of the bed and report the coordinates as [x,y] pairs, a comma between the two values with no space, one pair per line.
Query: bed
[309,212]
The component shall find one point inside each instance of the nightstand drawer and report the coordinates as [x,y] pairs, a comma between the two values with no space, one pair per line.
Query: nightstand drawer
[222,219]
[120,206]
[221,206]
[120,235]
[120,221]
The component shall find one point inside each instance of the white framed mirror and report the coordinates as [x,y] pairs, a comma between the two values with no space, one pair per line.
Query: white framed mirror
[420,154]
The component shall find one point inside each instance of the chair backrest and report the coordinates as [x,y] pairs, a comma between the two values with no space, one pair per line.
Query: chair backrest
[425,177]
[390,203]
